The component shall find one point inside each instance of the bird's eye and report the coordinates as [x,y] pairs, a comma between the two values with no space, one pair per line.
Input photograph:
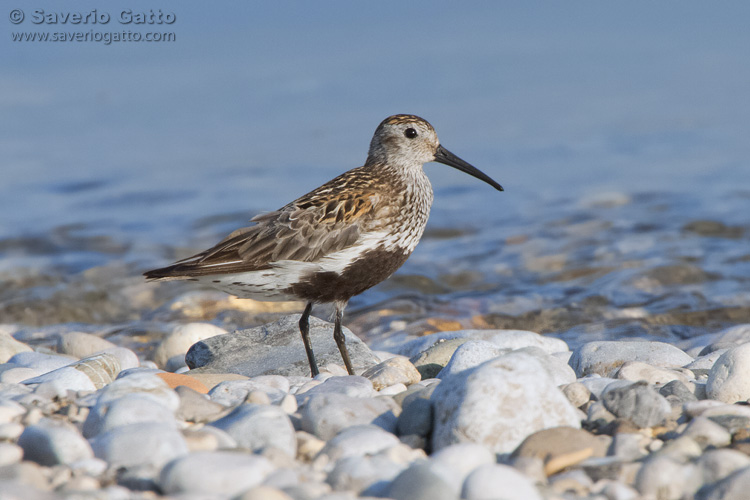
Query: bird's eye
[410,133]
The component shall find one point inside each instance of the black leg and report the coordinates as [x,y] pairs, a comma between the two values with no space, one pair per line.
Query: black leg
[338,336]
[304,328]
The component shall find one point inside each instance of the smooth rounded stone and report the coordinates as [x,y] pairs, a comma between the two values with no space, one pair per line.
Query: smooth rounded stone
[369,475]
[729,378]
[25,481]
[140,382]
[17,374]
[358,440]
[433,359]
[10,410]
[607,356]
[416,418]
[9,347]
[10,431]
[129,409]
[662,477]
[597,384]
[703,364]
[577,393]
[392,390]
[571,482]
[235,392]
[324,415]
[492,481]
[260,427]
[738,334]
[197,407]
[707,433]
[208,438]
[41,362]
[696,408]
[289,404]
[637,371]
[395,370]
[470,355]
[264,493]
[638,403]
[679,391]
[52,442]
[127,358]
[733,487]
[561,447]
[628,446]
[352,385]
[220,473]
[558,369]
[715,465]
[88,374]
[498,404]
[10,454]
[457,461]
[148,443]
[276,348]
[682,449]
[615,490]
[182,337]
[82,345]
[420,482]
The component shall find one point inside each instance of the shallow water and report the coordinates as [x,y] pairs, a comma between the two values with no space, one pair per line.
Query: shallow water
[622,145]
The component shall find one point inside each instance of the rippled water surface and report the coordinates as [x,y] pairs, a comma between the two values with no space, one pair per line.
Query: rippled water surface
[619,135]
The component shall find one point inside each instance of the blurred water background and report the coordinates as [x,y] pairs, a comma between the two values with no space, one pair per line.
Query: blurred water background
[619,130]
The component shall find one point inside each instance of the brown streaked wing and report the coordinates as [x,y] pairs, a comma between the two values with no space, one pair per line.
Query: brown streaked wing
[305,230]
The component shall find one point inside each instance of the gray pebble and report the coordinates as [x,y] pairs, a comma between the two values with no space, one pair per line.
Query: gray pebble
[177,343]
[41,362]
[368,475]
[486,406]
[416,418]
[459,460]
[488,480]
[421,481]
[470,355]
[9,347]
[52,442]
[395,370]
[235,392]
[577,393]
[130,409]
[358,440]
[276,348]
[678,390]
[81,345]
[10,454]
[605,357]
[197,407]
[326,414]
[260,427]
[220,473]
[352,386]
[152,444]
[707,433]
[733,487]
[638,403]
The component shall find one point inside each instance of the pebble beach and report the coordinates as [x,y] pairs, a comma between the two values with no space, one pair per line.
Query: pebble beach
[466,414]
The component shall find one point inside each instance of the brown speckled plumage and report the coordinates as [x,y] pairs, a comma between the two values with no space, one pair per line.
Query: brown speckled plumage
[340,239]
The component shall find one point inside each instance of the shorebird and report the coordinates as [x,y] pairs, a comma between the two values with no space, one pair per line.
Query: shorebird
[338,240]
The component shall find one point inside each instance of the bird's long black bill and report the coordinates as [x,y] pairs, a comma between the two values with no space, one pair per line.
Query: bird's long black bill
[445,157]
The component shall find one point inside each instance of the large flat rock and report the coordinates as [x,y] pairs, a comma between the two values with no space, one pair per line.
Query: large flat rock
[276,348]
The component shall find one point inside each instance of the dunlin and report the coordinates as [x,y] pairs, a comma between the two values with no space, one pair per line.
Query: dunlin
[338,240]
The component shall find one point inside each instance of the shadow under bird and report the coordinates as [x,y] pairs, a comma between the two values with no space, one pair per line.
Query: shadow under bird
[338,240]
